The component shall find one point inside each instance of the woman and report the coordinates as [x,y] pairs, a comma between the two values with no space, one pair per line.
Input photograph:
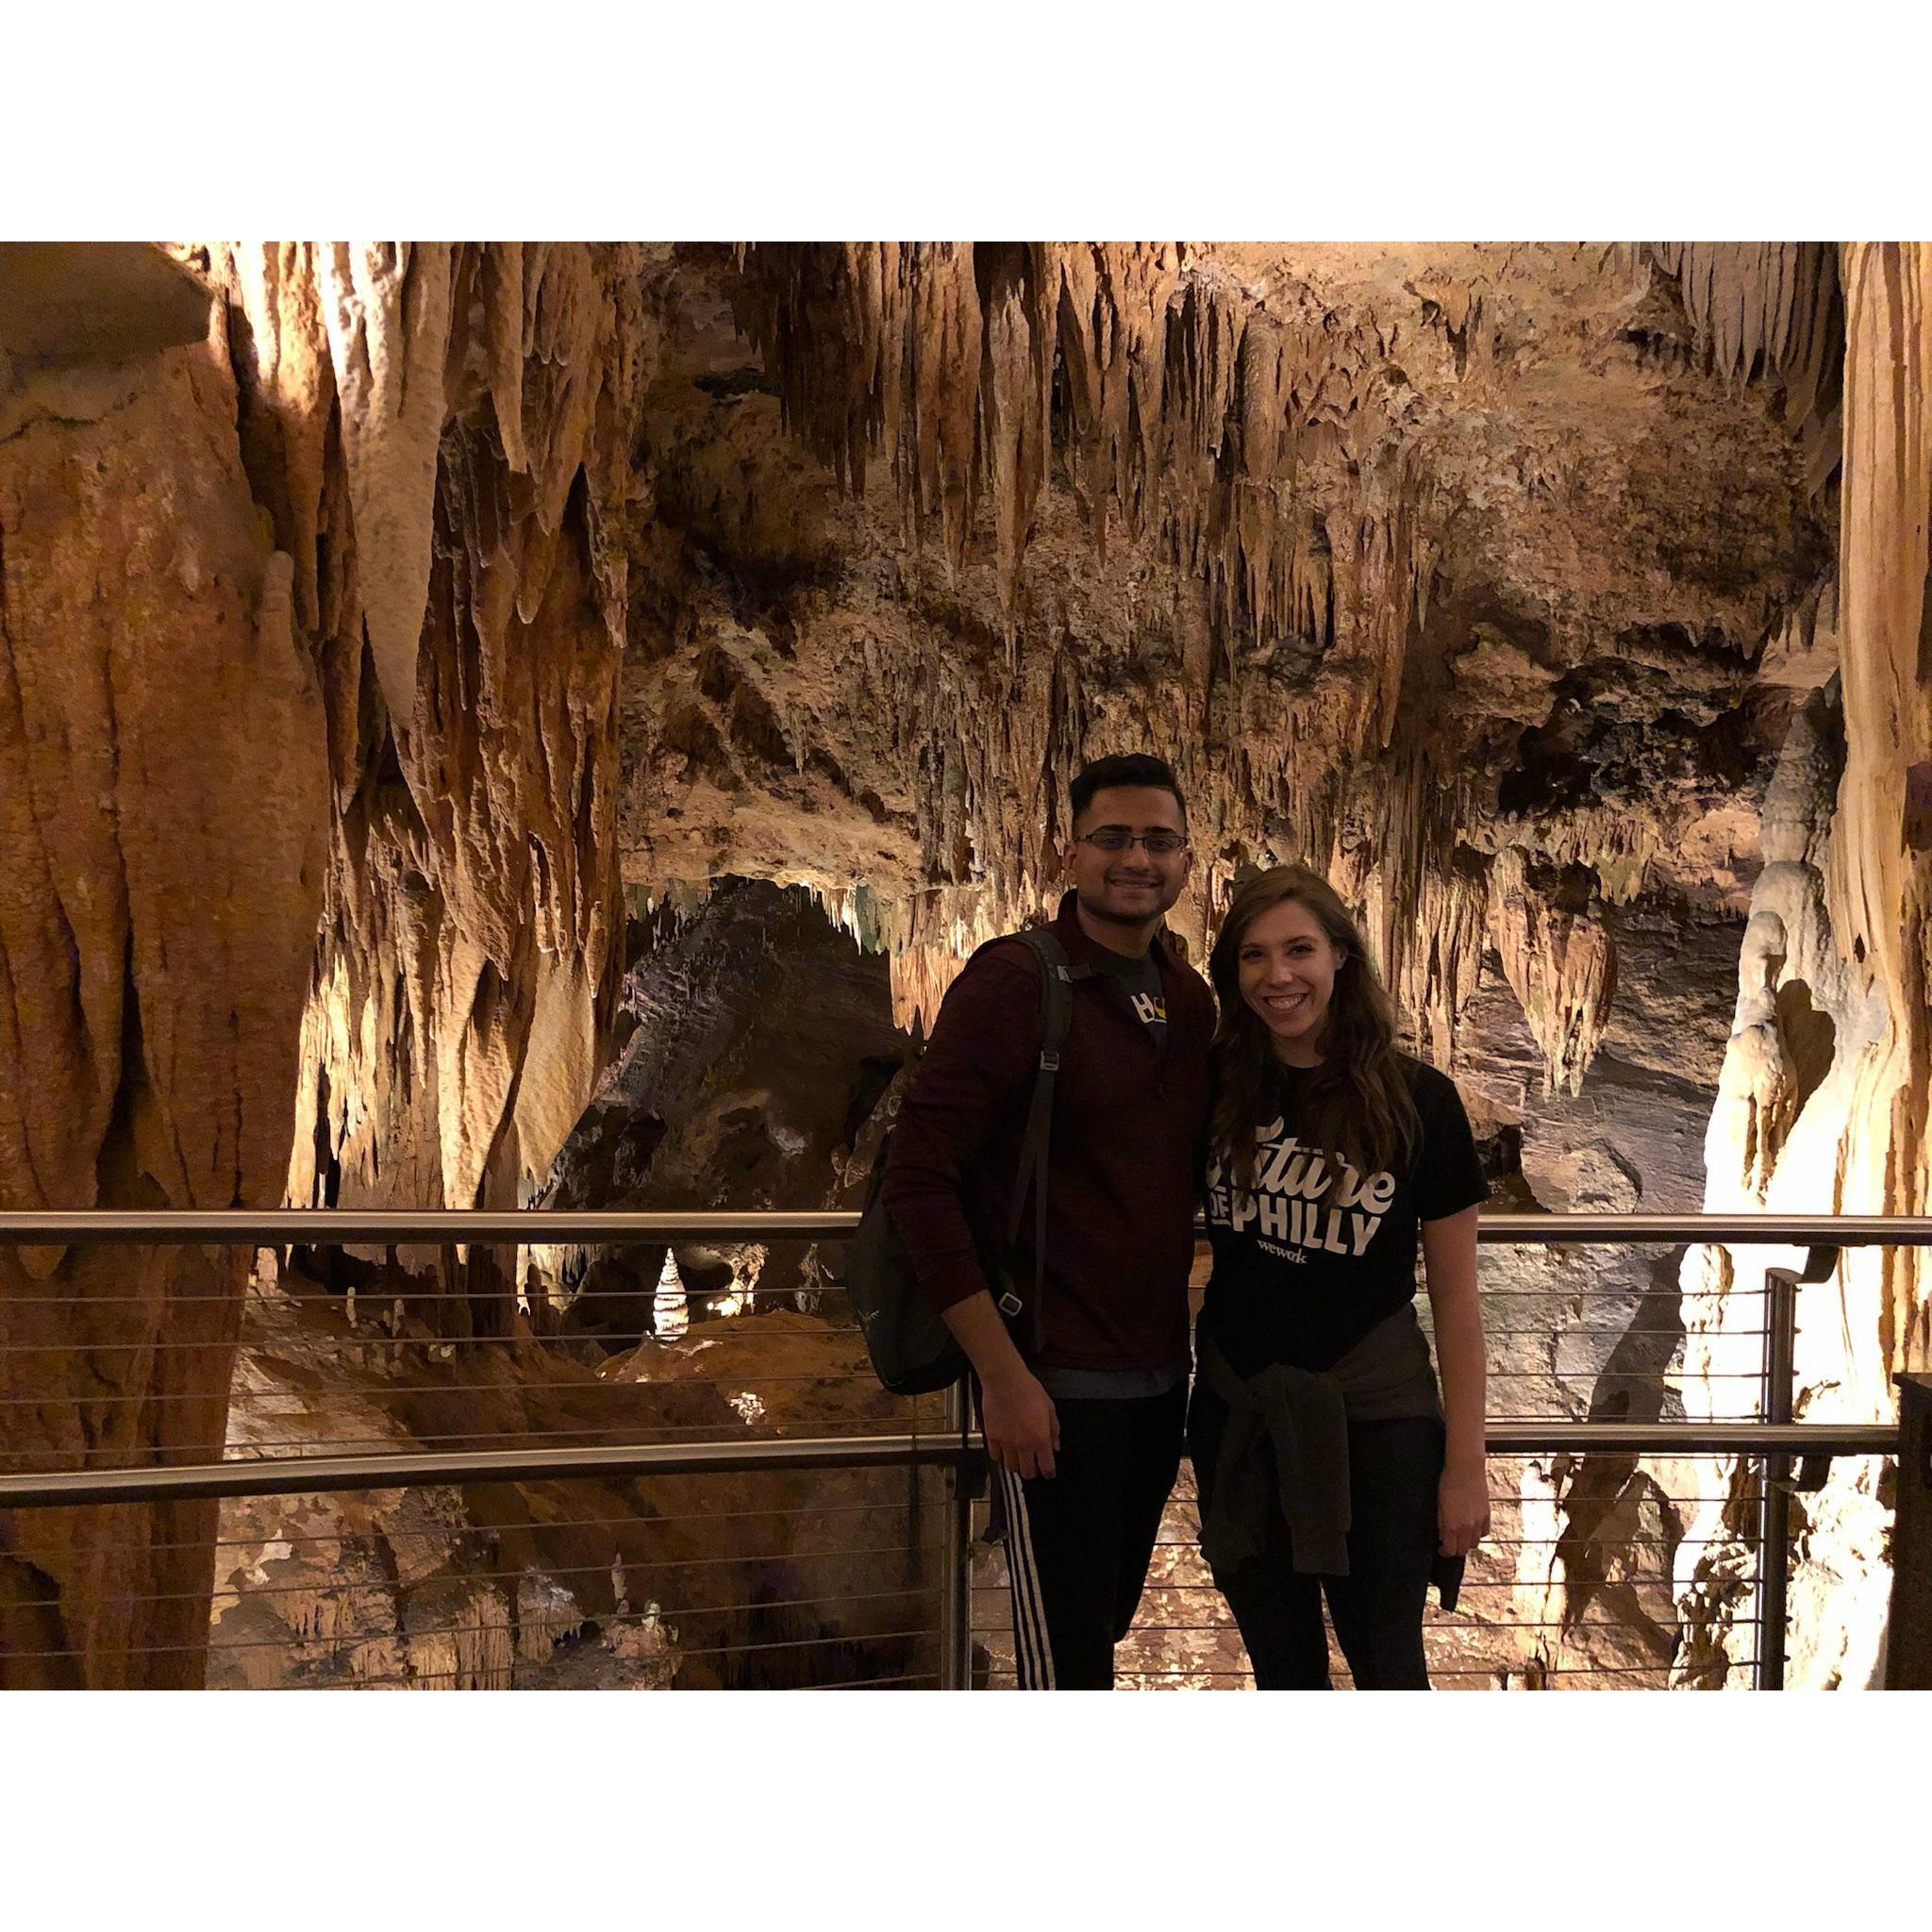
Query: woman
[1324,1459]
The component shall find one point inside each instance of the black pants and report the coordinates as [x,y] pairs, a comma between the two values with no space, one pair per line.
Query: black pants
[1394,1468]
[1079,1541]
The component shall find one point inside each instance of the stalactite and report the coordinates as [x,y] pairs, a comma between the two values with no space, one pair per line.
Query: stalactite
[1764,308]
[448,456]
[1178,396]
[1619,845]
[1425,896]
[1254,443]
[387,310]
[1271,455]
[1560,960]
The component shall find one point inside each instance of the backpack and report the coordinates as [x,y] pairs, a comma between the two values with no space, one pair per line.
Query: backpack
[911,1348]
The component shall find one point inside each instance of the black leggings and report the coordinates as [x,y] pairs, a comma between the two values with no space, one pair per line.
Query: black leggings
[1393,1468]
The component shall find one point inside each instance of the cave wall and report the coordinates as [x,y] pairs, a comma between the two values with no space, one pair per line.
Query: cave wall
[163,811]
[761,1045]
[313,628]
[1823,1103]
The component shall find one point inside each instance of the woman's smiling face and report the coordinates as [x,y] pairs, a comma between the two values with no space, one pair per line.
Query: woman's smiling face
[1288,967]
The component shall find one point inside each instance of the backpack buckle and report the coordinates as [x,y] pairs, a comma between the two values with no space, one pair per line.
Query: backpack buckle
[1049,1061]
[1010,1303]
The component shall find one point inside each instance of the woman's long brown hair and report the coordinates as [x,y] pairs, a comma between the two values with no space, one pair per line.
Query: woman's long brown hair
[1358,1100]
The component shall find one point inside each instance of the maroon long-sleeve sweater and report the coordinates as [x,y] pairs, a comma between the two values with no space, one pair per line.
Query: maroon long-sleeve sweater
[1130,1121]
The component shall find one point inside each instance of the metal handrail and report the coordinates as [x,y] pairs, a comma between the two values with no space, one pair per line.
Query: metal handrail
[545,1227]
[302,1476]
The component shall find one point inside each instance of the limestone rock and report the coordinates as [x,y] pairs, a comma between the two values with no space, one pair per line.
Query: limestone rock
[310,641]
[365,630]
[763,1044]
[162,807]
[446,433]
[760,1581]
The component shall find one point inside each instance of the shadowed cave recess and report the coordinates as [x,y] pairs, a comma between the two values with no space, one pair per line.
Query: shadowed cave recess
[544,723]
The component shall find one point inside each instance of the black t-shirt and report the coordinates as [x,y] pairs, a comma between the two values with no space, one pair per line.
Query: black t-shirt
[1139,979]
[1309,1263]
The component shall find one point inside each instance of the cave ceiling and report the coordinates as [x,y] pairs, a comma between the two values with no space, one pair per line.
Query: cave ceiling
[1408,556]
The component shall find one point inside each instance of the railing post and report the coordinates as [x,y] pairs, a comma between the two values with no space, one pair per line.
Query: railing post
[1909,1631]
[1775,1495]
[955,1576]
[1775,1506]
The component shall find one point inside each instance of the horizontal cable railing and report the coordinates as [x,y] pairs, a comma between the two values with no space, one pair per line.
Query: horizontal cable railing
[1548,1611]
[287,1475]
[566,1586]
[1513,1625]
[1182,1620]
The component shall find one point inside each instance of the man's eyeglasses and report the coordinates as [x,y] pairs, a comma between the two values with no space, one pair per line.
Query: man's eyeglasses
[1118,838]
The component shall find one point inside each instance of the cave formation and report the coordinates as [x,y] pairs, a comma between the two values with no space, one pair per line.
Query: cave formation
[520,724]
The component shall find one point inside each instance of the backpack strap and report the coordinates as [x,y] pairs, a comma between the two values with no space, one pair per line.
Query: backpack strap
[1057,980]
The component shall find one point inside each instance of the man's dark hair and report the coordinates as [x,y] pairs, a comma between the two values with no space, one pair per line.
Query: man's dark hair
[1128,768]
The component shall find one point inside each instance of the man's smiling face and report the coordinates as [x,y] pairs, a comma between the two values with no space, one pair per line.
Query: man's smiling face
[1131,886]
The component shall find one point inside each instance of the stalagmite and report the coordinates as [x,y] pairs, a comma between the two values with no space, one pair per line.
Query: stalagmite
[1806,1025]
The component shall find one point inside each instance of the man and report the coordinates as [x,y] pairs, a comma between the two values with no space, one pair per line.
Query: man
[1086,1436]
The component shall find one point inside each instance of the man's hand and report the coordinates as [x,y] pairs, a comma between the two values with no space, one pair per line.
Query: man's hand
[1462,1508]
[1021,1430]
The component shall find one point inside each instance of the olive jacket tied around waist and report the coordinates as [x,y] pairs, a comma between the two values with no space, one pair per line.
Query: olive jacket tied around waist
[1300,1418]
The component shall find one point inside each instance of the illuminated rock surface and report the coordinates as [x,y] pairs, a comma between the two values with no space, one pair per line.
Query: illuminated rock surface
[360,646]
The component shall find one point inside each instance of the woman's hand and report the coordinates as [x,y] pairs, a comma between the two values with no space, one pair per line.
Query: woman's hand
[1462,1508]
[1462,1497]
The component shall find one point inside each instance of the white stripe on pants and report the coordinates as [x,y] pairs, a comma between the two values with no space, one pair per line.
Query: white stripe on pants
[1032,1653]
